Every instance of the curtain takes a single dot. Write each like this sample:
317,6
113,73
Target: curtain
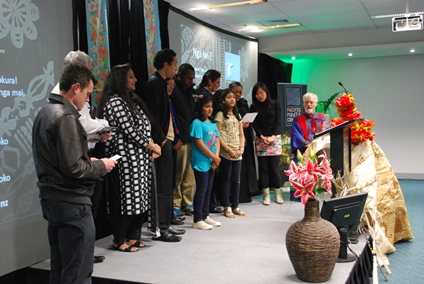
119,31
98,44
152,26
79,31
137,47
163,22
126,32
272,71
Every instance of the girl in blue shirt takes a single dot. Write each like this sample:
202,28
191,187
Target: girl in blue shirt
204,160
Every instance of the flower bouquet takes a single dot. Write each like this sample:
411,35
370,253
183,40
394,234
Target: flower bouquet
347,110
307,239
312,178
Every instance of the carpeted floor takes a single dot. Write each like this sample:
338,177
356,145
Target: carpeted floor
406,263
247,249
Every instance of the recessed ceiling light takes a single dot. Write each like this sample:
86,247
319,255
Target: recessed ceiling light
293,58
350,54
412,50
397,15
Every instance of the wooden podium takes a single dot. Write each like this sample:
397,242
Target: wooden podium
340,146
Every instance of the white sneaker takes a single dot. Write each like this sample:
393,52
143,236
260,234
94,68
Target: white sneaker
202,226
211,222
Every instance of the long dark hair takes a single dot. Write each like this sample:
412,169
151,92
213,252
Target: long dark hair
212,75
221,106
198,108
116,85
268,101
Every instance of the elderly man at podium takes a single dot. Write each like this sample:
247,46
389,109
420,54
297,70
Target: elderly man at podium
306,125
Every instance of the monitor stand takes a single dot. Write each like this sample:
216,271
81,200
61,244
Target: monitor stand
353,238
344,256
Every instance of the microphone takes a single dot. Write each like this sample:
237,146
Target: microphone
343,87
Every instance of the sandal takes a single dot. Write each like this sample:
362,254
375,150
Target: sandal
137,244
128,248
239,212
228,213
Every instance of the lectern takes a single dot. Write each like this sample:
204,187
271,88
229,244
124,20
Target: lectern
340,146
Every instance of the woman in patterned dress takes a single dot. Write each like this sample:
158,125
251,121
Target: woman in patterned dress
130,184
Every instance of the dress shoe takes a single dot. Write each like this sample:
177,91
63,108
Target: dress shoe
176,231
188,210
177,222
167,237
217,209
98,258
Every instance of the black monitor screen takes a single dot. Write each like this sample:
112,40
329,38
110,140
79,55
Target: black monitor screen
345,211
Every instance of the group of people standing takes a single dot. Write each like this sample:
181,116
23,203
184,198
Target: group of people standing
169,140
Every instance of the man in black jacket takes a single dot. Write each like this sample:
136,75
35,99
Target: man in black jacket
155,96
66,177
183,102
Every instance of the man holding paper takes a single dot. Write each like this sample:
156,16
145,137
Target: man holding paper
66,177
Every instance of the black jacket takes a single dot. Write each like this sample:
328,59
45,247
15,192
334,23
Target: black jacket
156,99
60,152
268,120
184,107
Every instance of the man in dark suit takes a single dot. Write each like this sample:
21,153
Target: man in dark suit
156,98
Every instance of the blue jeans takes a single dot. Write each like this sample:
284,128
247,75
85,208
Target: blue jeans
202,195
71,234
230,182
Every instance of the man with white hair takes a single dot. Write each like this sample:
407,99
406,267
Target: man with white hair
91,126
306,125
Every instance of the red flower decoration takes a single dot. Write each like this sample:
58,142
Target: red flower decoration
346,108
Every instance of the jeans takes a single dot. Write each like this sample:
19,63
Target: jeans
202,195
230,182
71,234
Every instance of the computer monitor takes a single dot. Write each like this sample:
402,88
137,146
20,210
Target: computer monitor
345,213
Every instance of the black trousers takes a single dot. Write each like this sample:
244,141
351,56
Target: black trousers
165,186
269,172
71,236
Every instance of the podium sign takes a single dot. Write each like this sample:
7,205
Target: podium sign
290,97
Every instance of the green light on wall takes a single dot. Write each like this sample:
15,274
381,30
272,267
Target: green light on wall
301,68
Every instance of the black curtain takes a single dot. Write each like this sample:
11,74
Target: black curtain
119,34
79,27
272,71
138,54
127,39
163,22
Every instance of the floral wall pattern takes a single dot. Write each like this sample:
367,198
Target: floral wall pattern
98,44
153,43
17,18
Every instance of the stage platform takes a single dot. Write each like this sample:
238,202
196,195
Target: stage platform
247,249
